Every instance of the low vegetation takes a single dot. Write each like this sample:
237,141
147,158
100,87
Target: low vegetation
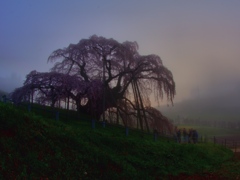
33,146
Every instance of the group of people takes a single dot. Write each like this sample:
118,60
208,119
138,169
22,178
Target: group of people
186,136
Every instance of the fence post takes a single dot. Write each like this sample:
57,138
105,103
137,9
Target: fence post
126,131
57,115
155,137
155,133
93,123
104,124
225,142
236,147
29,107
214,140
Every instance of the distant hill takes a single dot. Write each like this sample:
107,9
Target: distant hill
224,107
8,84
2,93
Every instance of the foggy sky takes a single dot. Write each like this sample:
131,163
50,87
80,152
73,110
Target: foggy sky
198,41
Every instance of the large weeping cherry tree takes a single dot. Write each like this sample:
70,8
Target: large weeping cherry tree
120,81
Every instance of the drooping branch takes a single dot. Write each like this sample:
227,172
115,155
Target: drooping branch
141,104
158,121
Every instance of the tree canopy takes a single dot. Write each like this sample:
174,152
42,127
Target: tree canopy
102,75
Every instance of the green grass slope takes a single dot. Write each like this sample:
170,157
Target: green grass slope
35,147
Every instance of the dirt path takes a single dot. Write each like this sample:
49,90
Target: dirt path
236,150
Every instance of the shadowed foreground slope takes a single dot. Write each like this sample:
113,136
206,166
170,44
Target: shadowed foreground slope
35,147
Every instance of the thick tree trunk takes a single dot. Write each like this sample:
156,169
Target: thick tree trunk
68,103
139,118
117,115
142,107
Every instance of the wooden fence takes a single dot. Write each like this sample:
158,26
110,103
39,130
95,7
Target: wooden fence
231,142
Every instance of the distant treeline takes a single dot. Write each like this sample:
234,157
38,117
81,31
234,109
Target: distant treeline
231,124
2,93
3,96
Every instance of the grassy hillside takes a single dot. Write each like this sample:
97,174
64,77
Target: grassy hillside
34,147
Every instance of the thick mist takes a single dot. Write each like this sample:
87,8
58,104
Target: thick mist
197,41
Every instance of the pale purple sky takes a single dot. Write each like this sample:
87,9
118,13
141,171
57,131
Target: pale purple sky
199,41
